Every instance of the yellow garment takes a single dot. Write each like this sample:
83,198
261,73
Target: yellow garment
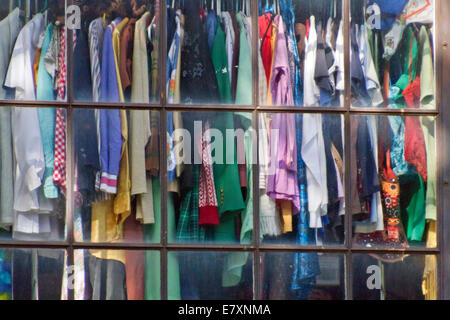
105,229
273,40
122,201
177,120
429,281
286,216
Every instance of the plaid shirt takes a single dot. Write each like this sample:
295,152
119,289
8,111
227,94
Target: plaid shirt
188,229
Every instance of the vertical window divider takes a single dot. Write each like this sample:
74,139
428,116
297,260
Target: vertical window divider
69,155
347,151
257,276
162,57
442,74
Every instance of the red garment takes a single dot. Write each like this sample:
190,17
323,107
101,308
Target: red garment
415,152
208,208
134,260
59,170
265,31
307,29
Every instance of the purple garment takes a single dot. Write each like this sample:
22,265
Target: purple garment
283,183
280,82
110,124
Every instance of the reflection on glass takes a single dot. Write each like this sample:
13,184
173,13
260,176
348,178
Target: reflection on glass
303,276
301,60
26,274
33,55
117,176
301,178
115,57
210,177
392,54
223,276
209,52
117,275
397,277
393,181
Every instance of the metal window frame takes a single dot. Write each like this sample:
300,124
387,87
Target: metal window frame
442,114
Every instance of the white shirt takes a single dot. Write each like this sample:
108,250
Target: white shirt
20,71
313,154
9,30
311,90
339,56
370,73
31,208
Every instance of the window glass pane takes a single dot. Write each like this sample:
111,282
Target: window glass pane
223,276
33,54
209,56
27,273
393,181
117,275
301,178
301,60
33,174
303,276
210,177
392,54
118,196
115,57
394,277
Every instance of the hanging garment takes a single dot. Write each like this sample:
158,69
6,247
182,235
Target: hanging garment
110,127
229,42
235,60
306,265
419,11
280,84
139,129
10,28
244,73
126,57
171,73
220,62
427,101
234,263
340,65
415,151
321,75
122,201
370,74
82,66
96,35
211,27
198,82
313,155
27,142
269,219
265,33
47,116
208,207
311,90
389,11
59,170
